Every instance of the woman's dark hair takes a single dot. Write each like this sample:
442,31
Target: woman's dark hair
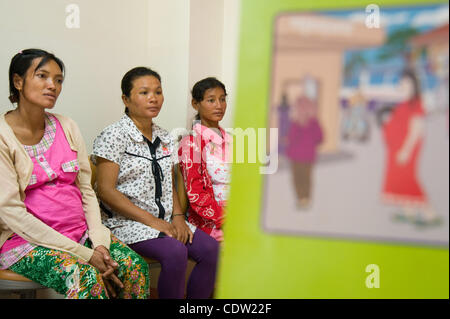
409,73
133,74
199,89
21,62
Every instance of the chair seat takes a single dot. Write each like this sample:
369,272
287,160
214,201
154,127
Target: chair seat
150,261
6,274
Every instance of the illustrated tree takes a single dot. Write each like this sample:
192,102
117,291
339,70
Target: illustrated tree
398,44
354,64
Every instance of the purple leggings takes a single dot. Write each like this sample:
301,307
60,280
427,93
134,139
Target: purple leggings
173,257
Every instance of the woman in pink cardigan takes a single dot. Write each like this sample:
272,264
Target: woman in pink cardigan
50,226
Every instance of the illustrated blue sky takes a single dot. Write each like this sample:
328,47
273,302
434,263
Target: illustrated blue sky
423,18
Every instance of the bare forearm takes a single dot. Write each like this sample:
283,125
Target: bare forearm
122,205
176,202
415,131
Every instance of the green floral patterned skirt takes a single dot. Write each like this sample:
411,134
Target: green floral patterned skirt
76,279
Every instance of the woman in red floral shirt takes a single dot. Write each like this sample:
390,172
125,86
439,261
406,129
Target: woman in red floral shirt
204,161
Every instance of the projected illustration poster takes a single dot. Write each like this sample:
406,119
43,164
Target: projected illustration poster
332,226
361,107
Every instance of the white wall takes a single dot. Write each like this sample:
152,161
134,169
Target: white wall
205,51
111,40
230,55
115,36
168,54
213,46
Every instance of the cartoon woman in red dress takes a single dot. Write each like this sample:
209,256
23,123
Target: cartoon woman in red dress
403,136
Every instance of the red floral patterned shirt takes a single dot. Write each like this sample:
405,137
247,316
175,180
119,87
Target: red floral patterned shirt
199,151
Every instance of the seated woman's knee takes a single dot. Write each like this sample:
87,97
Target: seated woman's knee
176,253
211,249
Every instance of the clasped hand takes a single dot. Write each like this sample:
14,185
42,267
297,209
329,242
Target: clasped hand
178,229
103,262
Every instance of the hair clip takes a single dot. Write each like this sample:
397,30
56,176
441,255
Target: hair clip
20,52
